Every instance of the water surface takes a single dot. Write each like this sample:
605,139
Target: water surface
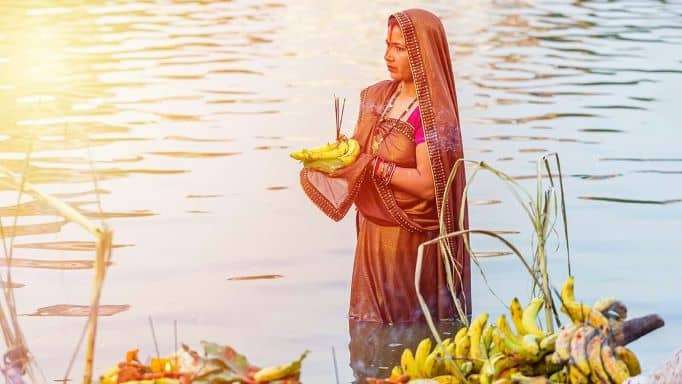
178,117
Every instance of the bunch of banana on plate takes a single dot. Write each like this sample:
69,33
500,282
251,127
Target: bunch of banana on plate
329,157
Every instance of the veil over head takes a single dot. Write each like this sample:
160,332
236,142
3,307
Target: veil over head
431,68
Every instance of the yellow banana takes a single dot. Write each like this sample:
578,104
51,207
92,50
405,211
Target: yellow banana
578,312
530,344
548,342
501,363
487,338
519,378
593,350
336,151
484,344
530,317
351,155
327,151
579,349
441,352
453,369
428,369
513,344
575,376
409,365
630,360
617,370
448,379
304,154
517,316
462,348
325,165
280,371
447,342
422,352
562,346
461,333
329,165
466,367
475,351
544,367
396,373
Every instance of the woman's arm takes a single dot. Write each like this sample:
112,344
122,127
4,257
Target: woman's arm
416,181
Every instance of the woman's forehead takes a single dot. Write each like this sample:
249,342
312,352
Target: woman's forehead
395,35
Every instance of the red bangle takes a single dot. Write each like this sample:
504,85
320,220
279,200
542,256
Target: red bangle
377,163
386,172
391,171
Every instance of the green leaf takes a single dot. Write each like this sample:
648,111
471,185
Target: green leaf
227,355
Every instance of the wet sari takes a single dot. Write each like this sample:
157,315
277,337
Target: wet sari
391,223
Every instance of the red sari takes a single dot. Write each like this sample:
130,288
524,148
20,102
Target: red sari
392,223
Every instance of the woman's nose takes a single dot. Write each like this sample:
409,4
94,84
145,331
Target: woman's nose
388,56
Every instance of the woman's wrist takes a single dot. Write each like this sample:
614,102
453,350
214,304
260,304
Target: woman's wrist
376,166
383,171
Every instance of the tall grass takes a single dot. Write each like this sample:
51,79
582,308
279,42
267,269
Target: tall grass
542,212
103,238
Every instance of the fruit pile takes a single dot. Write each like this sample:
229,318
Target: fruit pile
580,353
329,157
219,364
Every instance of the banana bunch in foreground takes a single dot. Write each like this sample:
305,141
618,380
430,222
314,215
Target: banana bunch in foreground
329,157
520,351
589,356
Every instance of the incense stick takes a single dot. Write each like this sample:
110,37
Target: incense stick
156,344
339,107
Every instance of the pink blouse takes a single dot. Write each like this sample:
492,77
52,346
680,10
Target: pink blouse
415,121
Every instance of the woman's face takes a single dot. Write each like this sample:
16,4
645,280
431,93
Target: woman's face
396,55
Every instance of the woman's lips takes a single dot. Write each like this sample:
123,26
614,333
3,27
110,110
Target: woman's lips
392,69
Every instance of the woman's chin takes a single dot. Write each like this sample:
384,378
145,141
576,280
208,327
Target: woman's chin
394,75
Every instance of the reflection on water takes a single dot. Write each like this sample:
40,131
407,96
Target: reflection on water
376,348
178,117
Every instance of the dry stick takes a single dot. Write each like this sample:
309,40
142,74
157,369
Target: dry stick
103,252
156,345
464,233
175,337
13,336
336,369
102,256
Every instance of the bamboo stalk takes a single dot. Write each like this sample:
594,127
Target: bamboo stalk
102,257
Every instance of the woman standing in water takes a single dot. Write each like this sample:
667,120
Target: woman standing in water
410,139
